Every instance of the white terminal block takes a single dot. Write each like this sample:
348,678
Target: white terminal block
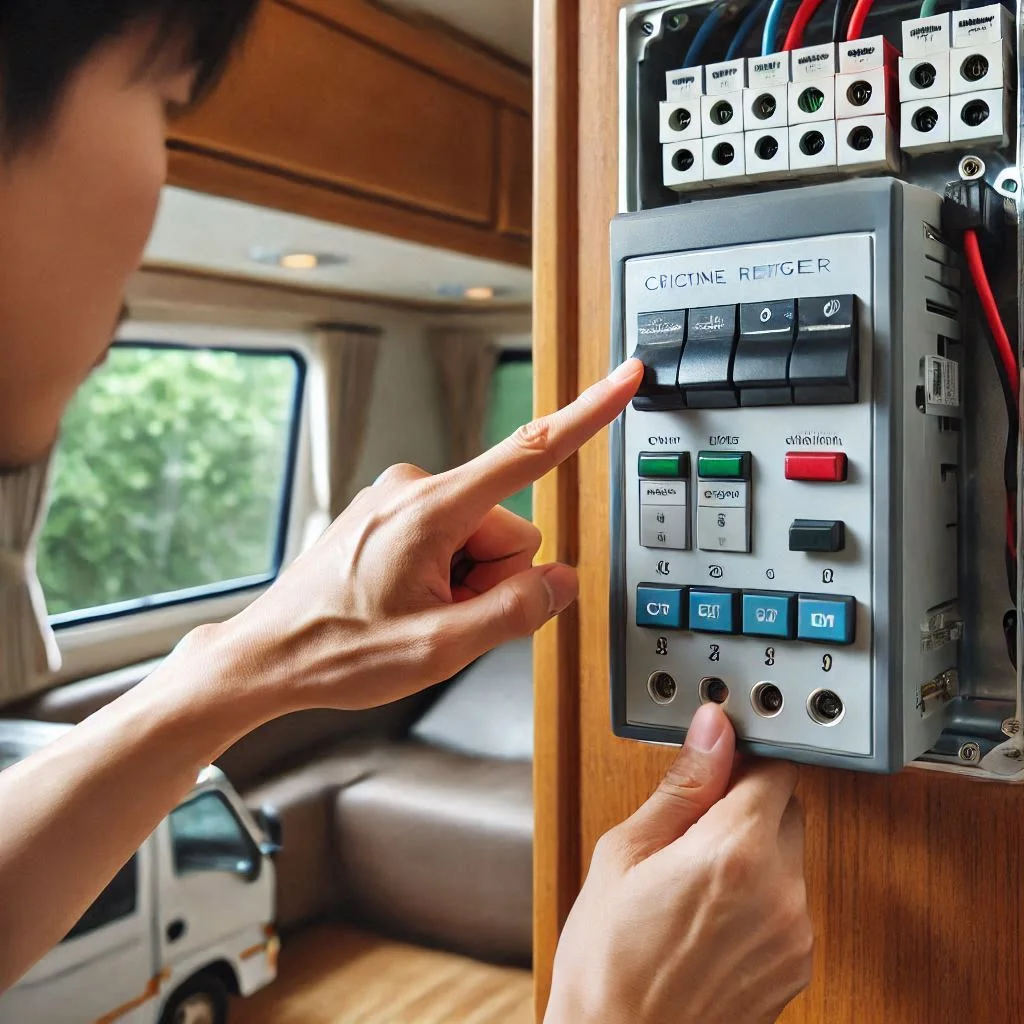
680,120
864,54
923,36
981,25
721,114
812,147
864,93
980,117
768,71
867,144
811,62
925,76
812,100
683,165
724,157
979,68
725,77
924,125
684,84
767,153
766,107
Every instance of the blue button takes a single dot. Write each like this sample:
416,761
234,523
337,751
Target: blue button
659,607
827,620
768,615
713,611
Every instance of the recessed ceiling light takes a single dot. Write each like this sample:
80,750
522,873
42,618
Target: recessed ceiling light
473,293
297,259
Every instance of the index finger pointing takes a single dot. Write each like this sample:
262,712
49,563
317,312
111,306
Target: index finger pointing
542,445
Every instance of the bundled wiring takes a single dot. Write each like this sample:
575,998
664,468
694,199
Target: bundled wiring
840,16
703,34
771,27
860,15
988,303
795,35
754,15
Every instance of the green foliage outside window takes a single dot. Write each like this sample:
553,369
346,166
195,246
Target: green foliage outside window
169,475
511,407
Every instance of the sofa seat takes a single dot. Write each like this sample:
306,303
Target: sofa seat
437,847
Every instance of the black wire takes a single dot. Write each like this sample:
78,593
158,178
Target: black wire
1012,435
840,17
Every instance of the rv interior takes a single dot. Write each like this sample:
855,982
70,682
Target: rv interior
339,281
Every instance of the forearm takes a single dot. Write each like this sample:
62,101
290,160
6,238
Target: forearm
74,813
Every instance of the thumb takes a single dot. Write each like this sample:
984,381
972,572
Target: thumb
698,779
510,610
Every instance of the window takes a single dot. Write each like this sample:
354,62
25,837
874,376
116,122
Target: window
115,903
511,406
171,479
207,836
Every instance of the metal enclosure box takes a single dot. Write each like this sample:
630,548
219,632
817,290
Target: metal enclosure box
735,596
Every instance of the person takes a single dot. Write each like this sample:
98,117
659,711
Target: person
694,909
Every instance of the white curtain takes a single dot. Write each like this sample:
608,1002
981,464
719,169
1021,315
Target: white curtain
28,649
346,364
465,362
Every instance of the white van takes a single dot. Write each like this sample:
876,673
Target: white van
185,924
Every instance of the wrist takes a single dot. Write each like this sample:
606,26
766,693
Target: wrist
208,693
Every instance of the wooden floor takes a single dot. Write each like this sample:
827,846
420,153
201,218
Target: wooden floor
330,975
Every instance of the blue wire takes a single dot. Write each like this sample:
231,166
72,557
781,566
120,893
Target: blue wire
771,27
746,27
703,33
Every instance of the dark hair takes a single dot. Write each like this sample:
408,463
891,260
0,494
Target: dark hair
44,42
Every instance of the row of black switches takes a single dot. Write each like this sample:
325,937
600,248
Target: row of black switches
786,352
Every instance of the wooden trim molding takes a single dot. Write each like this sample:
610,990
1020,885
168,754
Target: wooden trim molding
556,251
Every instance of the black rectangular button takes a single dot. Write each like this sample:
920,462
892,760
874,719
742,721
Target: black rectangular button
823,367
761,368
705,370
817,535
660,338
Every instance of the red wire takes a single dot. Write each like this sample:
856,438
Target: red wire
857,19
795,35
991,310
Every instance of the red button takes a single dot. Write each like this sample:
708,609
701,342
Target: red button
827,467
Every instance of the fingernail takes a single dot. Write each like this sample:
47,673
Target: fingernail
627,371
563,587
707,728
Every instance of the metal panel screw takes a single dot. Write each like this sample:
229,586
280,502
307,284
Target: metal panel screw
969,752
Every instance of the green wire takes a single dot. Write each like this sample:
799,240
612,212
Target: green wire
928,8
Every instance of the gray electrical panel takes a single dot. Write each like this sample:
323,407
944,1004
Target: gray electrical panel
785,485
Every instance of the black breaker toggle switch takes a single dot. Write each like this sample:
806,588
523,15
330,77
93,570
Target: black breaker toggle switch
660,344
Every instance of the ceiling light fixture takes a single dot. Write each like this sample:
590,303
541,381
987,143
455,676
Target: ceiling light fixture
297,259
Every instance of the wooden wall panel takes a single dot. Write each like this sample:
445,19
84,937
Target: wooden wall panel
915,881
358,116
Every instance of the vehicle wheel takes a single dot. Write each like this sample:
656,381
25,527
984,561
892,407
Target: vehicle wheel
201,1000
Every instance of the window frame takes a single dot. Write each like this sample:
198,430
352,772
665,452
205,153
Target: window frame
250,844
223,588
107,643
76,932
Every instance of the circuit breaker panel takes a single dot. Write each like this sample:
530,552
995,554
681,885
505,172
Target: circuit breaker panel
816,495
786,476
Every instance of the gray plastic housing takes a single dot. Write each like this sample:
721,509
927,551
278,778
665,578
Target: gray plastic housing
880,240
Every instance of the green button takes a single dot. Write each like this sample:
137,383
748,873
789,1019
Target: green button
723,465
670,467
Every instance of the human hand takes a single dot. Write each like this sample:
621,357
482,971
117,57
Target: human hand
695,909
421,574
